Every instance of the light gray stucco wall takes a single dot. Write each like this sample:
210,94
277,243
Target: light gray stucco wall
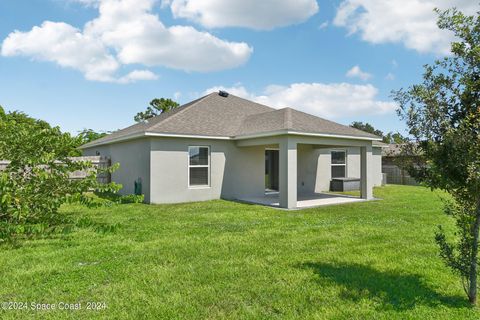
310,167
314,167
234,172
134,159
353,164
377,166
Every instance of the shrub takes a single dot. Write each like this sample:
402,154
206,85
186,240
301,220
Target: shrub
37,181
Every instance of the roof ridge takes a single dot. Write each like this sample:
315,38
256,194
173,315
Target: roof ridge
287,120
230,116
333,122
260,113
254,102
185,107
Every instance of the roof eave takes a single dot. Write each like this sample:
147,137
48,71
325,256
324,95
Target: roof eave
241,137
380,144
151,134
114,140
180,135
309,134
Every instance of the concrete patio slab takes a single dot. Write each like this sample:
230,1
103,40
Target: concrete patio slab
272,199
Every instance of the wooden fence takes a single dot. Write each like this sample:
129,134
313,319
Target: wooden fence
396,175
97,161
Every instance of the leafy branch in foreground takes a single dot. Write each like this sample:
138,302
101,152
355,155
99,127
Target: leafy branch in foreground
36,182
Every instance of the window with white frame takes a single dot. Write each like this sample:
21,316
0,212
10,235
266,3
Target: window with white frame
198,166
339,164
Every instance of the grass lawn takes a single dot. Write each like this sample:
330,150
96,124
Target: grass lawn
223,259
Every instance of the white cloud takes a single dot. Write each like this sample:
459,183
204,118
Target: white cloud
356,72
410,22
67,46
136,75
323,25
237,90
125,32
255,14
332,100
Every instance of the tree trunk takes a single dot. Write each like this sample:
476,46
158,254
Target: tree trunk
472,291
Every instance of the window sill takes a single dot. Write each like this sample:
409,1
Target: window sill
199,187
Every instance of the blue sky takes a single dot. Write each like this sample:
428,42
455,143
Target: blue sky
98,62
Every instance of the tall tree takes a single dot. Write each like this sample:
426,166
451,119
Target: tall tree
391,137
443,117
89,135
394,137
367,127
156,107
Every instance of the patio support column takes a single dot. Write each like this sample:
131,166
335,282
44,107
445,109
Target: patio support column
366,182
288,173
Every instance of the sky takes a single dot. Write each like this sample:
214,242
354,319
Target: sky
96,63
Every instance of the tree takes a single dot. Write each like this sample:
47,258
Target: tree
37,181
157,106
388,138
367,127
394,137
443,117
89,135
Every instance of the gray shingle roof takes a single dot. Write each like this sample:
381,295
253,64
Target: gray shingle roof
294,120
213,115
232,116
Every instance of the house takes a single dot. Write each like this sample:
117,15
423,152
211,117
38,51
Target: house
392,158
223,146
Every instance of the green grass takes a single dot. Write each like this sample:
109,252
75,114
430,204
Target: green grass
223,259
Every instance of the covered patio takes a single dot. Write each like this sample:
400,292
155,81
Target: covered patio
300,169
272,199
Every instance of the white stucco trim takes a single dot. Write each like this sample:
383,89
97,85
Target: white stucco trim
153,134
192,136
120,139
251,136
324,135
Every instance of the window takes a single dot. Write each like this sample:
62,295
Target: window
198,166
339,164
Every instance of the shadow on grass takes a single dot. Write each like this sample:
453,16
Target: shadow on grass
390,289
